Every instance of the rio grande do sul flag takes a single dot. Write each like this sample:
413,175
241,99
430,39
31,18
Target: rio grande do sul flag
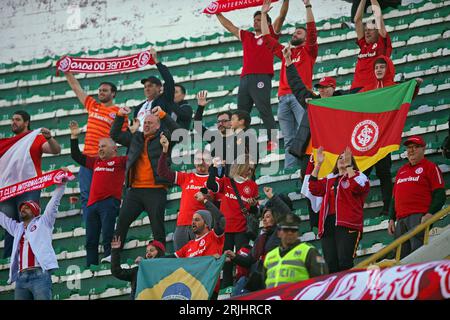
230,5
371,123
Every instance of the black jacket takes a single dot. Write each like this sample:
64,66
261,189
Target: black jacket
165,101
123,274
271,240
301,93
135,143
183,112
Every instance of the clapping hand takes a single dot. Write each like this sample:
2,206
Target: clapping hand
164,142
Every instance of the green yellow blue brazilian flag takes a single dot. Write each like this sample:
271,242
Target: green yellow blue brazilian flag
178,279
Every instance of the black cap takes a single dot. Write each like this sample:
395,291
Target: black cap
291,221
153,80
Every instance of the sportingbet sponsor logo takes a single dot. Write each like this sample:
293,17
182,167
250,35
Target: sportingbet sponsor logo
367,55
408,179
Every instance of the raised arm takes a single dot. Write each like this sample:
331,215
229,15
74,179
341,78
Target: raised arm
295,82
379,18
359,20
76,87
169,83
75,151
8,224
227,24
116,133
264,20
218,217
278,23
51,146
163,169
51,210
116,270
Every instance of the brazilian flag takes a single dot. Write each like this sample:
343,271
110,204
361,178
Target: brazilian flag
178,279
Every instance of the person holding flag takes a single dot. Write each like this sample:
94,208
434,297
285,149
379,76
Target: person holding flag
344,191
384,71
20,159
33,257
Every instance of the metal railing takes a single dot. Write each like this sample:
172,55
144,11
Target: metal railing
397,244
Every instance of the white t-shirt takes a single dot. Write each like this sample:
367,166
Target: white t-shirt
145,110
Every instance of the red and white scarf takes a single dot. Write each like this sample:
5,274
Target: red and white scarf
107,65
230,5
37,183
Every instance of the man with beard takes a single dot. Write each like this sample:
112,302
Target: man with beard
257,70
44,143
100,118
190,183
304,50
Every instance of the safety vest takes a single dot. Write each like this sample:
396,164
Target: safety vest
288,269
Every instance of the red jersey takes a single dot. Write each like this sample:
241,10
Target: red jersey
36,152
303,57
207,245
107,179
190,183
257,58
413,187
229,205
364,75
27,258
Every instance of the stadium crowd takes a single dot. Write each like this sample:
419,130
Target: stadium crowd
220,204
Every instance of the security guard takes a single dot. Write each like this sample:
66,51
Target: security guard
292,261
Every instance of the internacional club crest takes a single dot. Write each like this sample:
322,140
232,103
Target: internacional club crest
64,64
212,8
365,135
144,58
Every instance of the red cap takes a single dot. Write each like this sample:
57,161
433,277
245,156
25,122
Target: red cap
326,82
415,139
33,205
158,245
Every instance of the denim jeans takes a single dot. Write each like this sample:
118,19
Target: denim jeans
239,287
85,179
10,208
100,219
35,284
290,114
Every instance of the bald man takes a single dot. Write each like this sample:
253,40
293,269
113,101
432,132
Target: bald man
105,193
146,190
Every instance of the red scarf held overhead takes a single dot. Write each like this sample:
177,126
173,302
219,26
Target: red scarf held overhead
107,65
230,5
37,183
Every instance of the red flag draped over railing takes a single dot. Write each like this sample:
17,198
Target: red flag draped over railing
230,5
422,281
